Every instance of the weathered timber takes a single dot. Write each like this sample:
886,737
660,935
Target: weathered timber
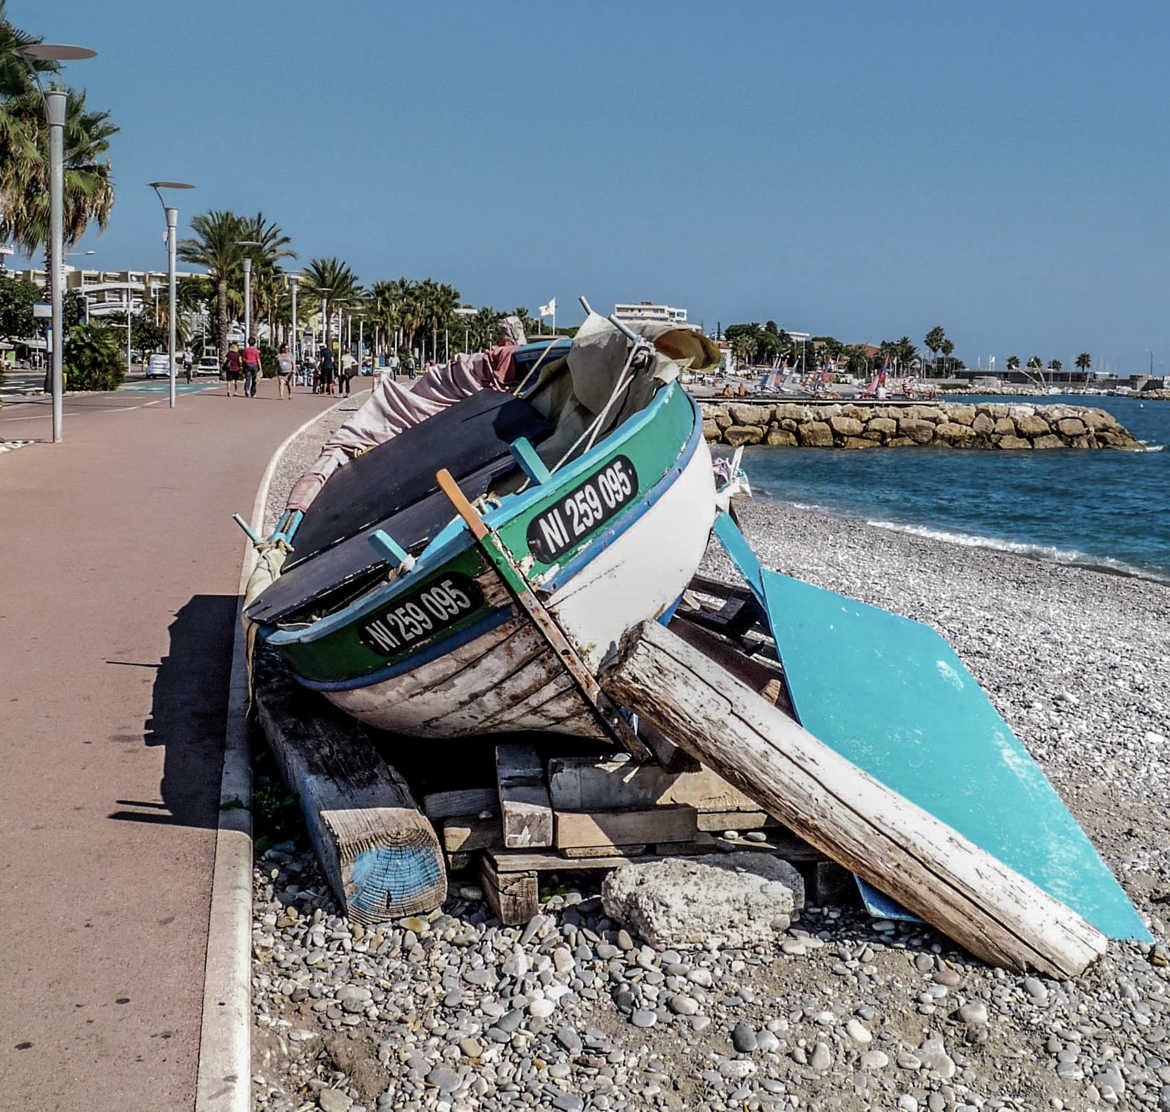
464,833
605,783
624,828
606,851
983,905
380,853
524,803
717,821
514,897
466,801
457,862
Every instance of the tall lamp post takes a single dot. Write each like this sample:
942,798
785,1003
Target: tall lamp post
172,215
55,115
326,309
293,282
247,286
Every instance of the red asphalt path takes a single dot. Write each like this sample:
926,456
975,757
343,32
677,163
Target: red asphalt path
119,566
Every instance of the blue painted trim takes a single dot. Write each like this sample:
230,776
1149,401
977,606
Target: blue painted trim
631,516
415,660
668,614
386,546
530,463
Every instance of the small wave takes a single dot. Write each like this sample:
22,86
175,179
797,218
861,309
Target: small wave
1072,557
1152,447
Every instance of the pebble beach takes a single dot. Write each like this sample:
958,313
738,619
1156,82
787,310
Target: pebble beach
453,1011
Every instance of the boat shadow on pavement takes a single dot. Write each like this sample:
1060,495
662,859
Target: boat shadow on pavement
188,716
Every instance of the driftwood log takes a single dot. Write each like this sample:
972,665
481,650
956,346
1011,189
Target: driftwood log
380,853
985,906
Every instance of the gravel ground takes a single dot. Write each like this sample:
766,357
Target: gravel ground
453,1011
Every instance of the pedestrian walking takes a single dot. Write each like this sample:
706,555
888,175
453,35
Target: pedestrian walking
348,365
188,364
284,372
251,367
233,366
325,371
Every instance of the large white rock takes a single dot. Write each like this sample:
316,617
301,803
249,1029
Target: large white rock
737,899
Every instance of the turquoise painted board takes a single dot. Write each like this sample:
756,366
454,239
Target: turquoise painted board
891,696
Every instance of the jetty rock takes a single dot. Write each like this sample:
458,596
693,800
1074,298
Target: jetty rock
735,899
823,424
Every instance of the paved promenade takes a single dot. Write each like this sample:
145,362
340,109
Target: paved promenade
120,566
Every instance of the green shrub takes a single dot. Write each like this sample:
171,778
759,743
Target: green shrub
93,358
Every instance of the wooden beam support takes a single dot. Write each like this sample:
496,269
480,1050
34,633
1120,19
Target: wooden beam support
577,829
524,804
514,897
986,907
467,801
380,853
608,783
465,833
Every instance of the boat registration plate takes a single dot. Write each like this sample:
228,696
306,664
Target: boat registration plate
420,613
554,531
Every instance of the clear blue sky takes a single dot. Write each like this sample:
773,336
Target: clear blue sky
853,168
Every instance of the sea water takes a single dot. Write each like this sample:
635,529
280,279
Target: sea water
1102,508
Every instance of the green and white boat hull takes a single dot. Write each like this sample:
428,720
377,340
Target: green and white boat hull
607,541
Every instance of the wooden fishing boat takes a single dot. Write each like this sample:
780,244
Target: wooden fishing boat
594,500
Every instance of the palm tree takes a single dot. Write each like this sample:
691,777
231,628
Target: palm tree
1035,362
947,348
1013,361
1084,362
24,172
215,247
267,277
335,283
934,340
1056,364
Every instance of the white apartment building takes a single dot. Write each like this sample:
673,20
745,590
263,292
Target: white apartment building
110,291
648,310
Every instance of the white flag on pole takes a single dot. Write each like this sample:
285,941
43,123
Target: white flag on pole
549,310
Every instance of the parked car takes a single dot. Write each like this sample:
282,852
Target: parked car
159,366
208,364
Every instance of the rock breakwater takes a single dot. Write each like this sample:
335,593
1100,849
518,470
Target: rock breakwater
942,424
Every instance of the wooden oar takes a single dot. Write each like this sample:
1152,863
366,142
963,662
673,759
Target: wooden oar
516,582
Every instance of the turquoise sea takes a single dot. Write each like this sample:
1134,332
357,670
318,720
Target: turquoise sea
1099,508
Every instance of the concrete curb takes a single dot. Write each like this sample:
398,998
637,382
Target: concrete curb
224,1082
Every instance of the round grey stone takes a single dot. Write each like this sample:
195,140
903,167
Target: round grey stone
743,1038
643,1017
444,1079
973,1013
683,1005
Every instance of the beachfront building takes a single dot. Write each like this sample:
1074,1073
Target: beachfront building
649,310
107,292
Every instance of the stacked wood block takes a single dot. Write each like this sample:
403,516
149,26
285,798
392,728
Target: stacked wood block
597,812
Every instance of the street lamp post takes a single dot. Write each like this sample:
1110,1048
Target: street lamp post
247,286
55,115
172,215
293,280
